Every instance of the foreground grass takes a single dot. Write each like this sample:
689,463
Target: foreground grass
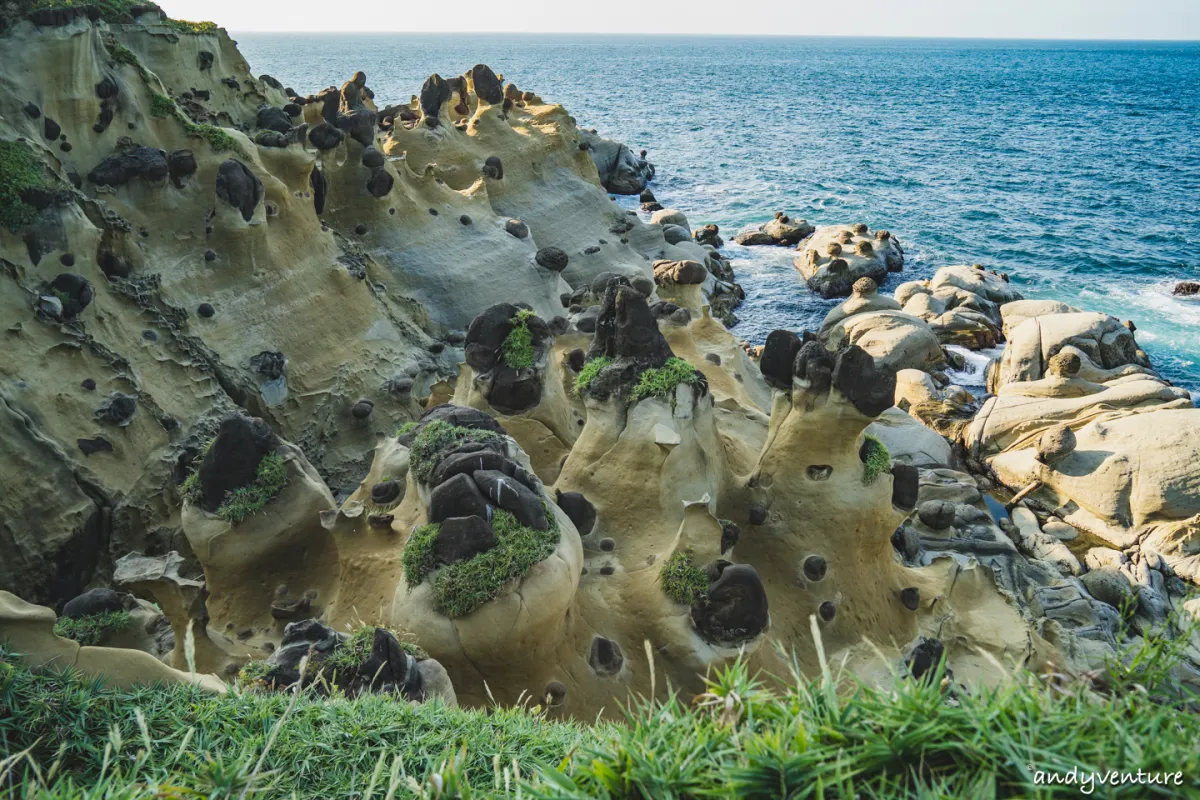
62,736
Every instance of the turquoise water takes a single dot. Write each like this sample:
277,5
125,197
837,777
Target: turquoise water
1074,167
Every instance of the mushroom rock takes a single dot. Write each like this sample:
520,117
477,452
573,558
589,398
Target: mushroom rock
486,84
146,163
434,93
325,136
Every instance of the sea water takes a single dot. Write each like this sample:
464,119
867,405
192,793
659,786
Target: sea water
1072,166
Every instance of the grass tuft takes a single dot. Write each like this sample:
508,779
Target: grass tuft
350,654
438,438
184,27
875,457
517,348
270,479
19,170
589,372
661,381
459,589
404,429
682,580
89,631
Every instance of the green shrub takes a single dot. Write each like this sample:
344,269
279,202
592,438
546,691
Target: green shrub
184,27
661,381
252,673
875,457
161,106
405,428
589,372
460,588
19,170
517,348
91,630
270,479
438,438
110,10
682,580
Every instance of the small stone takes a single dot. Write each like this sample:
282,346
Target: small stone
937,514
89,384
360,229
552,258
911,598
67,260
464,219
517,228
713,358
607,569
362,409
815,568
206,310
210,255
827,611
607,545
758,514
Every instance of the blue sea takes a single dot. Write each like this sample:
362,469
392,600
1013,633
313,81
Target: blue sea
1072,166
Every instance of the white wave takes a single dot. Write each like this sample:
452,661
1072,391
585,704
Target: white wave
974,372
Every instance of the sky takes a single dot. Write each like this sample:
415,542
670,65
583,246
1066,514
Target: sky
1022,19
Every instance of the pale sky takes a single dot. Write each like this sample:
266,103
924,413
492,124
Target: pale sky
1026,19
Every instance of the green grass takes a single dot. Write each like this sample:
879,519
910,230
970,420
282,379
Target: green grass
19,170
161,106
459,589
517,348
91,630
877,459
269,480
184,27
589,372
218,138
438,438
405,428
661,381
746,736
350,655
682,580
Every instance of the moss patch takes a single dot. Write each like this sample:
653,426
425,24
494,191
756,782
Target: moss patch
182,26
89,631
218,138
404,429
517,349
438,438
875,457
682,580
589,372
161,106
252,673
19,170
461,588
661,381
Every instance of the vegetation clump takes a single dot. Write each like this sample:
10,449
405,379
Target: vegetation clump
682,580
269,480
161,106
406,428
89,631
182,26
438,438
589,372
661,381
462,587
875,457
517,348
19,170
347,657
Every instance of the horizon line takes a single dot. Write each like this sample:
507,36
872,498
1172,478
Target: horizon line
1095,39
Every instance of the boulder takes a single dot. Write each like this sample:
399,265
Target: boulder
239,187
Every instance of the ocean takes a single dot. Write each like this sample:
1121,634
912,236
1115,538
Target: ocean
1072,166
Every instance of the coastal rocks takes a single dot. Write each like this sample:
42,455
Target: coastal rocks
146,163
836,256
962,305
899,340
1186,289
780,231
1107,349
621,170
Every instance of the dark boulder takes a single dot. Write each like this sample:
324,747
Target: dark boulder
389,669
372,158
487,85
92,602
905,483
146,163
814,364
513,496
75,292
461,539
51,129
578,509
871,388
117,409
320,188
460,416
734,609
778,356
325,136
757,514
385,492
293,110
626,328
517,228
107,88
493,168
434,93
272,139
457,497
181,164
1186,289
552,258
239,187
273,118
359,125
466,463
925,658
114,266
380,183
96,445
730,535
307,638
204,60
270,364
486,335
515,390
232,460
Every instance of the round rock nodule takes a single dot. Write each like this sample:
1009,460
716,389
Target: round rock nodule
552,258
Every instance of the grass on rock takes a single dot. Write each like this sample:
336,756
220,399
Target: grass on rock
270,479
661,381
19,170
349,656
682,580
875,457
438,438
589,372
747,736
161,106
460,588
517,348
89,631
